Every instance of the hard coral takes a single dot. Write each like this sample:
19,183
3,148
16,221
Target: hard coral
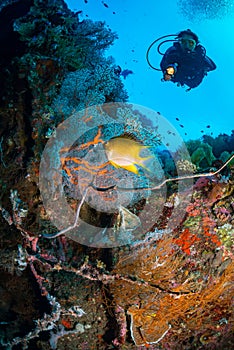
173,286
186,240
168,297
185,166
201,183
86,87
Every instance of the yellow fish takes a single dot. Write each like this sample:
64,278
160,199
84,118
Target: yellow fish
123,152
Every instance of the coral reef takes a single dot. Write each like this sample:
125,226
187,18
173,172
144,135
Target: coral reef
171,286
43,42
174,286
186,166
178,273
86,87
201,154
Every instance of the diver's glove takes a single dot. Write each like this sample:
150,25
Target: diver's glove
170,71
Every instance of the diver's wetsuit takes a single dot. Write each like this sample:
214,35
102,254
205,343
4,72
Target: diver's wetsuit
192,65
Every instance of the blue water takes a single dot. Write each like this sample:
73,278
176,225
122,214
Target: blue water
138,24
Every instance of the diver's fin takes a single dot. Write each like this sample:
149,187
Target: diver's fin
132,168
129,136
126,136
145,159
114,164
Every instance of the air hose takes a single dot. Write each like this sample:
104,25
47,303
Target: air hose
158,48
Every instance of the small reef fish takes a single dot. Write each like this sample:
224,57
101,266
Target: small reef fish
105,4
123,152
126,72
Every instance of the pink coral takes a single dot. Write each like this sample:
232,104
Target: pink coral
201,183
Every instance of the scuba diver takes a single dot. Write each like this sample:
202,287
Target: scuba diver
185,62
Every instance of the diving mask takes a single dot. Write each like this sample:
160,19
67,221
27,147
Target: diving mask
188,44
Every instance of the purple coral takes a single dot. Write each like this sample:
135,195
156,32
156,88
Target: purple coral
201,183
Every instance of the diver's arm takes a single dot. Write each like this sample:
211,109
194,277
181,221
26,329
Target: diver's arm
170,57
206,62
209,64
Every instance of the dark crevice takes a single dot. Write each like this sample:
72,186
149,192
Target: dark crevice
29,144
